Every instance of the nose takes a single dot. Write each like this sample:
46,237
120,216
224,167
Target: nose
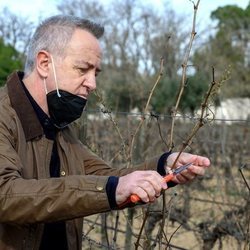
90,82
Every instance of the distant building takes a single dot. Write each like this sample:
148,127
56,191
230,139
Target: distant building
233,109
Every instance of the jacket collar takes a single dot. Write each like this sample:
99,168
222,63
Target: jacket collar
20,102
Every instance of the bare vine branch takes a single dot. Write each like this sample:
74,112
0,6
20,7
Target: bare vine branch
204,116
184,76
131,146
137,243
242,174
106,111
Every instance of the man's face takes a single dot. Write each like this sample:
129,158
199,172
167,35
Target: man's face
76,72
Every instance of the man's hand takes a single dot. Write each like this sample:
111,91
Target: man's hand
198,167
146,184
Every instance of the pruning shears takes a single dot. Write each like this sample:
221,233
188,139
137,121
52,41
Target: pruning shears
134,198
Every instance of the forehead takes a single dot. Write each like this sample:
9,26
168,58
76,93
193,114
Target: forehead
84,46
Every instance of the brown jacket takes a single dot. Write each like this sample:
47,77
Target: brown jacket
28,197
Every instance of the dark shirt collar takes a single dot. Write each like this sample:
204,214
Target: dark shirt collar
48,127
33,119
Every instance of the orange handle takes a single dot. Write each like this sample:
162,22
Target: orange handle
135,198
168,177
132,199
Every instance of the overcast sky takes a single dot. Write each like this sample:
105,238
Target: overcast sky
34,9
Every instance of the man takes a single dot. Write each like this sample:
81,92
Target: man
48,179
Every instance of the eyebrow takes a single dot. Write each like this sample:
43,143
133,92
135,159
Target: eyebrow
98,69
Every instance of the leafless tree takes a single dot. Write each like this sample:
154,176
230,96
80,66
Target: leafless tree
137,36
15,30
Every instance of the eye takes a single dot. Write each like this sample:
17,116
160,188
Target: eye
79,70
82,70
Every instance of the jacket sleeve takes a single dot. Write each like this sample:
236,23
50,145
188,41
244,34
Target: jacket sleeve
94,165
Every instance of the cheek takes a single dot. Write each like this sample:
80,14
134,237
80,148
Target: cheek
73,85
69,80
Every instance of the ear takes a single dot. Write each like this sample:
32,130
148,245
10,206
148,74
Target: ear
42,63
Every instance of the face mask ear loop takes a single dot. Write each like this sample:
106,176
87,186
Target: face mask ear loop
54,71
45,87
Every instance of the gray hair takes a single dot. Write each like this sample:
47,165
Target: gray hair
54,34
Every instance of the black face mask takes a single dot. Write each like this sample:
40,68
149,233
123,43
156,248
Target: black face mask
64,109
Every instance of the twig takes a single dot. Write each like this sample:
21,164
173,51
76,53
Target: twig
171,202
106,111
172,235
96,243
131,146
242,174
137,243
164,209
92,226
184,76
159,127
116,227
105,229
164,212
212,91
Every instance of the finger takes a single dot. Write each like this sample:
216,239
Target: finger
201,161
206,162
156,180
158,184
198,160
152,185
197,170
150,190
146,193
180,179
183,159
142,194
191,173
